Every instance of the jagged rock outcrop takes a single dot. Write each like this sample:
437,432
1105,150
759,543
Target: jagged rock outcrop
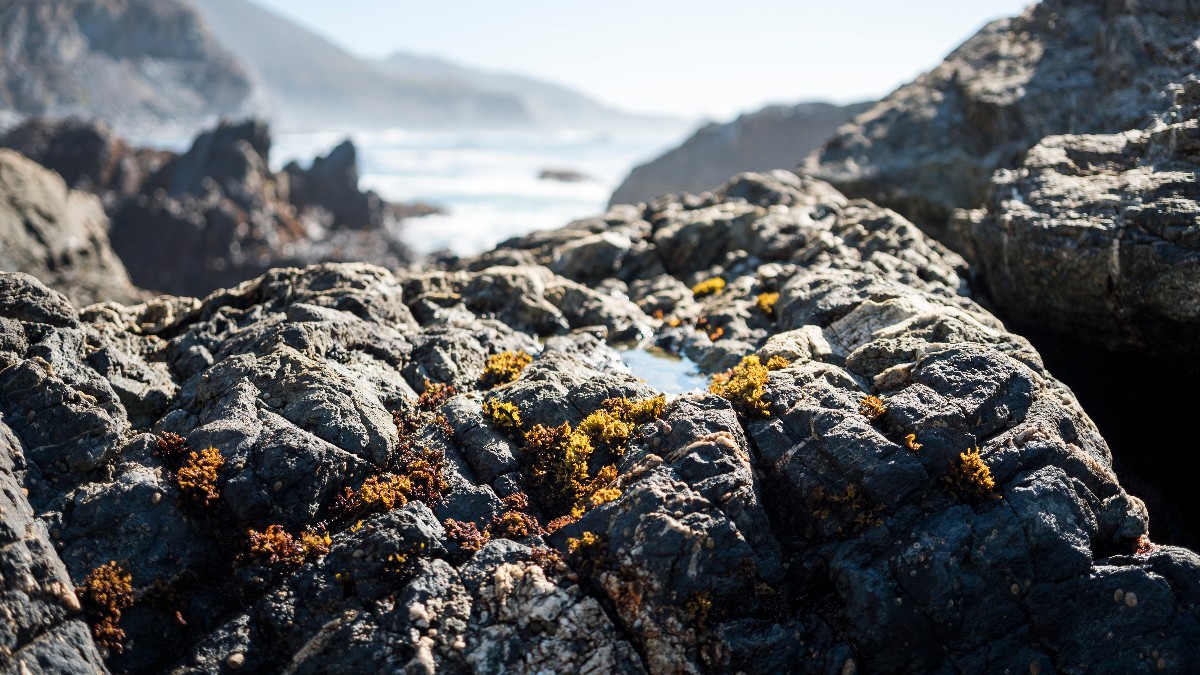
1062,67
136,64
783,525
57,234
88,155
1093,236
775,137
217,215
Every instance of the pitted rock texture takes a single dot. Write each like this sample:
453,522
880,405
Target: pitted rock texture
803,538
57,234
1094,236
1062,67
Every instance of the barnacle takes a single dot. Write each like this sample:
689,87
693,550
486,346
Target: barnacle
765,303
504,416
104,593
872,407
711,286
970,475
504,368
744,386
910,442
197,478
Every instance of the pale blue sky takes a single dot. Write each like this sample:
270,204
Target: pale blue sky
684,57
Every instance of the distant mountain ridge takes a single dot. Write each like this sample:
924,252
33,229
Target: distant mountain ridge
310,82
547,103
132,63
776,137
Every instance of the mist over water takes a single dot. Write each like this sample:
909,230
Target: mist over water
488,182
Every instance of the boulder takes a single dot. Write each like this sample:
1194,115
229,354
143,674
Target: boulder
57,234
221,203
1092,237
1062,67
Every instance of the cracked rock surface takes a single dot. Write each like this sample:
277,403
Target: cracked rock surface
1093,236
774,528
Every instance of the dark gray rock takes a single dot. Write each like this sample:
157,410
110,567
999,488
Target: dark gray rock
88,155
1091,237
1064,66
790,532
222,204
57,234
42,630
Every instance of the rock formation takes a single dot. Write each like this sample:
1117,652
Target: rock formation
772,138
215,215
57,234
89,156
893,482
1063,67
1093,236
133,63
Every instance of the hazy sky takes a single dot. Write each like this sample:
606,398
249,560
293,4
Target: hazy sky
683,57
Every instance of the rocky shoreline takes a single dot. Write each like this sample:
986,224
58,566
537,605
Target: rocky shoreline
895,482
947,437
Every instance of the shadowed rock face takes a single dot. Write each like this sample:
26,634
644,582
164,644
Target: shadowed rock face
57,234
809,538
132,63
1094,236
215,215
1065,66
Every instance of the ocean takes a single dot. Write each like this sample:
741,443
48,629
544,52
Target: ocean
488,182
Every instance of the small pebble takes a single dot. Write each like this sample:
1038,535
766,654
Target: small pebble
1016,590
358,553
236,660
1131,600
278,485
1118,595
